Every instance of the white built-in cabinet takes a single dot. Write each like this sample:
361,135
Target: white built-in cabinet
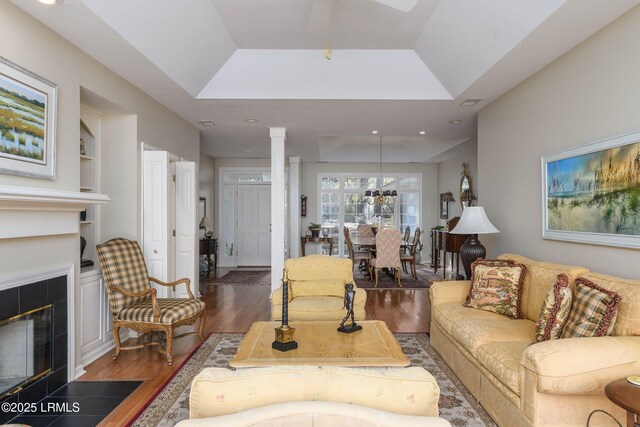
95,315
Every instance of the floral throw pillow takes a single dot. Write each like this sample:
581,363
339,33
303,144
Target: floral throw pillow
594,311
555,310
496,285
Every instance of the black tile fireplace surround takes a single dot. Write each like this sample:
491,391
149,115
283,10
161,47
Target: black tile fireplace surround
28,297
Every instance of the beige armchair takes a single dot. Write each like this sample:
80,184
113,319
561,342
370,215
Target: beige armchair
133,301
316,289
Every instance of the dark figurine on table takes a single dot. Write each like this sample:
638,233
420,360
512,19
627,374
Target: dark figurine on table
349,296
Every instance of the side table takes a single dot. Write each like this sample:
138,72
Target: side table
627,396
208,247
305,240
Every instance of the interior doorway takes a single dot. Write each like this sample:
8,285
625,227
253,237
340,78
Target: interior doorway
254,225
169,223
245,217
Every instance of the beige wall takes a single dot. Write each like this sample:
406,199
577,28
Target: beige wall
449,175
207,178
588,94
28,43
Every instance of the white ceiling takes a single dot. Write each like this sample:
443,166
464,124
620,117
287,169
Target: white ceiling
399,73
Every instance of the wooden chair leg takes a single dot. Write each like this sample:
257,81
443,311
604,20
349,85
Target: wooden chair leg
169,333
398,277
203,317
116,337
377,272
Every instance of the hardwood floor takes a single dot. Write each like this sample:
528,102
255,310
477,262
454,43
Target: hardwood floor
233,308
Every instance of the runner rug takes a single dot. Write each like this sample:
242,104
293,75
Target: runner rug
172,404
426,276
251,278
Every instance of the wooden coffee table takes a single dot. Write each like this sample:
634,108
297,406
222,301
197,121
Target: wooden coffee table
627,396
320,344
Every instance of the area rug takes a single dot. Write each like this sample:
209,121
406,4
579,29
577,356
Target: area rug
251,278
172,403
426,276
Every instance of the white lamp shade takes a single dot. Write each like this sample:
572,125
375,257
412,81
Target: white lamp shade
206,223
474,221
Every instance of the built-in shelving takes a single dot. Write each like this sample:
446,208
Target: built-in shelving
89,180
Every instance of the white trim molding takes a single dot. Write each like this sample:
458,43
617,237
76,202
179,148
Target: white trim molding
29,212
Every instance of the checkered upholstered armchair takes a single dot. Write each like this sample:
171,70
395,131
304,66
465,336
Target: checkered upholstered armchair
133,301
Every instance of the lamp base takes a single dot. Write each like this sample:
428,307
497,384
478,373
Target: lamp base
470,251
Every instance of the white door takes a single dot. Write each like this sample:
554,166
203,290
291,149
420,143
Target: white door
254,225
155,216
186,223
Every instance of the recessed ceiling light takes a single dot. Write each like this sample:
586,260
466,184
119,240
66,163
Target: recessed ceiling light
374,132
250,120
51,1
206,123
422,132
470,102
455,122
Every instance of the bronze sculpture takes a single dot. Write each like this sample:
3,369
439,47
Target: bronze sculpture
349,296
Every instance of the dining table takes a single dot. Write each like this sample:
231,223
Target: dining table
370,242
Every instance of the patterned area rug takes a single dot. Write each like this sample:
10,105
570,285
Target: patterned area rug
386,280
172,403
251,278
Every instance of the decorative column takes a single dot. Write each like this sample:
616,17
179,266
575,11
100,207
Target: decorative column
278,204
294,207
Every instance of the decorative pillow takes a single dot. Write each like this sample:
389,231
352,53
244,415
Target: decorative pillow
497,286
594,311
555,310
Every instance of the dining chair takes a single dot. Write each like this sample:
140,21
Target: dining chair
133,301
365,231
411,257
387,254
359,258
405,239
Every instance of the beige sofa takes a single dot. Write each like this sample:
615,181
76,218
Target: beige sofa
314,396
552,383
316,289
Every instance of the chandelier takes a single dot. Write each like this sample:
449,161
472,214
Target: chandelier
381,196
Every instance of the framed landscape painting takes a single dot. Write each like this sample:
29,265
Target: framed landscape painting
27,122
591,193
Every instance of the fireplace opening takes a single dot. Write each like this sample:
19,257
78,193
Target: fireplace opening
25,349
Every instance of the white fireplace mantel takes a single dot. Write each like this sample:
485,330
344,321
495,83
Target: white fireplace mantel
30,211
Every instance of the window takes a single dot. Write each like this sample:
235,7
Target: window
342,204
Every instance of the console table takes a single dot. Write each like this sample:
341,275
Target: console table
209,247
305,240
442,240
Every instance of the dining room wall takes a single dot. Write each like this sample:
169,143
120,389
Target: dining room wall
449,171
429,213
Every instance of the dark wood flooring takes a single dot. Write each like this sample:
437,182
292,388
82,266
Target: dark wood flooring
233,308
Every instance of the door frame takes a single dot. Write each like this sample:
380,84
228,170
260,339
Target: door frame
220,223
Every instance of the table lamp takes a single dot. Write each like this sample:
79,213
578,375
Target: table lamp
205,223
473,221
